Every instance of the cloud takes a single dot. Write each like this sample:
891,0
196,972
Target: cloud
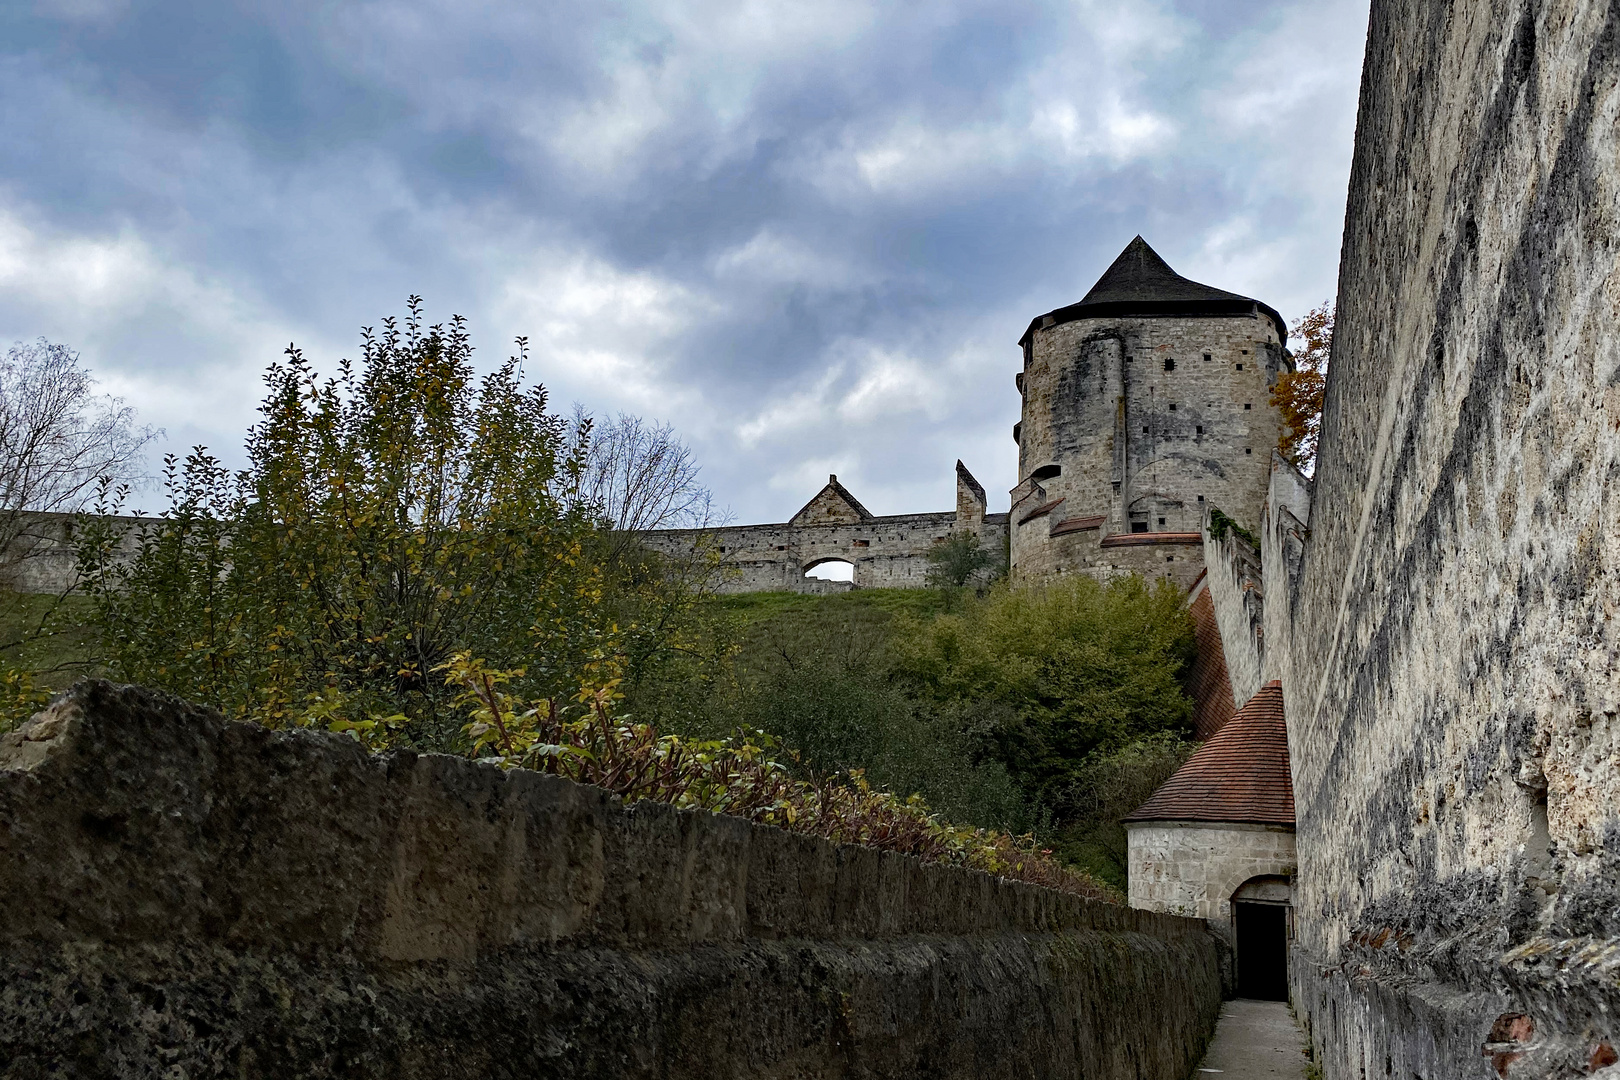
806,233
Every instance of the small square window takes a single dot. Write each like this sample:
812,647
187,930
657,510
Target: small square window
1200,429
1169,364
1240,367
1169,558
1172,408
1200,498
1128,359
1207,358
1245,352
1248,405
1246,450
1144,431
1161,521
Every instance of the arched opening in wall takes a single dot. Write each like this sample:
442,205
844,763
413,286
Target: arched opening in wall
1262,923
831,570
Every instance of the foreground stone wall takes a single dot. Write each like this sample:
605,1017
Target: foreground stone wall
190,897
1454,674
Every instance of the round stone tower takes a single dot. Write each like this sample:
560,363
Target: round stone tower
1145,404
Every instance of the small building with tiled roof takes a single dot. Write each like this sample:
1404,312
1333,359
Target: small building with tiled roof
1216,841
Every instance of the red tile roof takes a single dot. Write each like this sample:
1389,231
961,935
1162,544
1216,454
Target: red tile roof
1133,539
1044,508
1078,524
1239,775
1207,680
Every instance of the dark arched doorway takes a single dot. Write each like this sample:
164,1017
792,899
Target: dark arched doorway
1260,922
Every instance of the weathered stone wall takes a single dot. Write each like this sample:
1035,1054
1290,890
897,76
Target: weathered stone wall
1239,604
1191,868
190,897
888,552
1147,420
1454,673
40,557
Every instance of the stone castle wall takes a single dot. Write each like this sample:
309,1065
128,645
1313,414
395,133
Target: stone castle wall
1453,668
888,552
190,897
1238,600
1140,422
1192,868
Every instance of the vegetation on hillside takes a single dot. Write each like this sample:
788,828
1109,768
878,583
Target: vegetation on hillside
417,557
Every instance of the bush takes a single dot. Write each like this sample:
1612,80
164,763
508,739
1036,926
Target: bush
389,517
1059,671
747,775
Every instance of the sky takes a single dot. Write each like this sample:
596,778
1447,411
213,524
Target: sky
807,234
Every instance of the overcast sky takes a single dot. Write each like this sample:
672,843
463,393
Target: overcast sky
807,234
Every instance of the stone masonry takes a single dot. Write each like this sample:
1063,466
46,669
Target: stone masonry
188,897
887,551
1449,618
1143,405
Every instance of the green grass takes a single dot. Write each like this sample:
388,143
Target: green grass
921,603
60,654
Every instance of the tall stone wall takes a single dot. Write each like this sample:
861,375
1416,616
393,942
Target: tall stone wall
1238,601
1453,678
189,897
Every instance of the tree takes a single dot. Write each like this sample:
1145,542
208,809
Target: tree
390,517
59,439
1298,394
1060,671
640,476
958,560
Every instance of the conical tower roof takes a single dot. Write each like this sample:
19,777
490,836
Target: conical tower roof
1141,283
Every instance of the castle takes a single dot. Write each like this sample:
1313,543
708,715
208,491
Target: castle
1145,405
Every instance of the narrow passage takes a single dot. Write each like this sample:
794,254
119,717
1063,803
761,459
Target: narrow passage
1254,1040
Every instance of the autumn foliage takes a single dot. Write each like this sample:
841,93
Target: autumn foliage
748,775
1298,395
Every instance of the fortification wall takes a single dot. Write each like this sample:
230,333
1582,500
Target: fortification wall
190,897
1452,680
887,552
1238,600
40,557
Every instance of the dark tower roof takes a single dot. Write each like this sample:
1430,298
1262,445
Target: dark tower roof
1141,283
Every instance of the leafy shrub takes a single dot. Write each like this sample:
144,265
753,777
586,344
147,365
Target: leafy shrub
1106,786
588,741
389,516
1059,671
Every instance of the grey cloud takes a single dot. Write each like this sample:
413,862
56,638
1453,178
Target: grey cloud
808,234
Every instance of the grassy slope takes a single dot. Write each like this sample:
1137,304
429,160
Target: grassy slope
64,653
